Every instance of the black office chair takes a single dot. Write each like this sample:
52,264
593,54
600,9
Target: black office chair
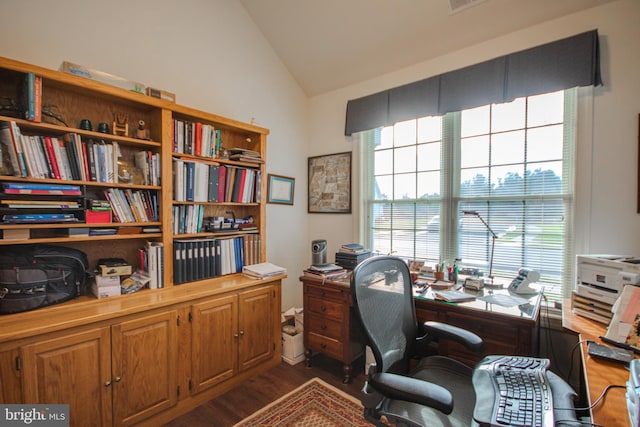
438,391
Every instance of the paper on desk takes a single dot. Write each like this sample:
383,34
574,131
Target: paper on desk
504,300
625,324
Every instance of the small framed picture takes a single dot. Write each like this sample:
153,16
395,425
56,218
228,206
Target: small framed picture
280,189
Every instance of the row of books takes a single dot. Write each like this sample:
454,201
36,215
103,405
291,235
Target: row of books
151,260
195,138
204,182
70,157
40,218
187,219
198,259
133,205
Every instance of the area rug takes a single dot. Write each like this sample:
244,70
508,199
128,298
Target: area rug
313,404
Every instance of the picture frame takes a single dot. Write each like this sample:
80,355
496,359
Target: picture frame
329,180
280,189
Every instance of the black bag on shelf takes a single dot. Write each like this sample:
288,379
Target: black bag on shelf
34,276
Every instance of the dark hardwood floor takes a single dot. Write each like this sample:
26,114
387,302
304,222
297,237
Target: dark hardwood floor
253,394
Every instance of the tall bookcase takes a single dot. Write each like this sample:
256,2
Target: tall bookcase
69,100
141,358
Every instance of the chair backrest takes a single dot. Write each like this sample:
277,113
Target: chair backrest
382,293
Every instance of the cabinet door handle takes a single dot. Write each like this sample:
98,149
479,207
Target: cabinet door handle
118,379
241,333
107,383
236,335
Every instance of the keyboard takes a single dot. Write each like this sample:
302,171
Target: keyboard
512,391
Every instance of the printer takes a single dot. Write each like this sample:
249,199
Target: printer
599,282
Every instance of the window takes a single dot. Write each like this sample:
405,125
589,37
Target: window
511,163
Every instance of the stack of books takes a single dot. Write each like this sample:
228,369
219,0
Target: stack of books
243,155
263,270
326,271
351,254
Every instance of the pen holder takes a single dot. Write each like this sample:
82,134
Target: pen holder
439,275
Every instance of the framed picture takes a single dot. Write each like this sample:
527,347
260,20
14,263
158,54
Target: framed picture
280,189
330,183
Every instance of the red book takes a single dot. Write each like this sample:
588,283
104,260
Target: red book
222,179
85,161
48,144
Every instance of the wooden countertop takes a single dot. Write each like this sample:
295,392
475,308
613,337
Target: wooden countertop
612,410
87,309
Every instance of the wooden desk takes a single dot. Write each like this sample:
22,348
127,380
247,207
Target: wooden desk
504,329
331,328
598,374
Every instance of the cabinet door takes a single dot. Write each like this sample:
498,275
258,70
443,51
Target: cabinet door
144,367
256,317
74,369
214,341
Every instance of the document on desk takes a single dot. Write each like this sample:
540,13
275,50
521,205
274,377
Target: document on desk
504,300
624,327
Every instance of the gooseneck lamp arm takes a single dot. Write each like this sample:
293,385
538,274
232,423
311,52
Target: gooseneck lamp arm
494,236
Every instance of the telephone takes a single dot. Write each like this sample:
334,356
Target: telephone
520,285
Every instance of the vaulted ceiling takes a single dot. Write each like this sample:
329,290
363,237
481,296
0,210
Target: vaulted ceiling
329,44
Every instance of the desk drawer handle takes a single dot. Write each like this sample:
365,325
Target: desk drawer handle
323,327
323,346
323,308
323,293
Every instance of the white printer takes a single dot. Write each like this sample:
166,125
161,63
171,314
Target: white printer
599,281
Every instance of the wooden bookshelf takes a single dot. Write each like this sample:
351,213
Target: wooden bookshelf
191,341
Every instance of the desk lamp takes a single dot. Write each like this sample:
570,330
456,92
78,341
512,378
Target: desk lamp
494,236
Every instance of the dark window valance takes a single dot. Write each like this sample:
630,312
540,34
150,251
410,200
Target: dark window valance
563,64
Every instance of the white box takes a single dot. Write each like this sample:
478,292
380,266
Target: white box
106,286
292,348
105,291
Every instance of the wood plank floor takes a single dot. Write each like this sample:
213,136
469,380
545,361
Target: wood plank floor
252,395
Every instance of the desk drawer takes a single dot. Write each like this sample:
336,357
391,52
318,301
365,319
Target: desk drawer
325,292
323,326
487,329
326,345
325,308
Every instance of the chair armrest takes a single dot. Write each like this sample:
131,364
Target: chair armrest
412,390
437,330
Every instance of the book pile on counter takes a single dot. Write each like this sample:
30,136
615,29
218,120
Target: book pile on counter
264,270
326,271
351,254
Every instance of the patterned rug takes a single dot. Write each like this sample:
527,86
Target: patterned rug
313,404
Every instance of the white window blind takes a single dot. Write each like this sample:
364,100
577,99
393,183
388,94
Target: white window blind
512,163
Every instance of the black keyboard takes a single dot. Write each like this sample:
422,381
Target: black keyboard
513,391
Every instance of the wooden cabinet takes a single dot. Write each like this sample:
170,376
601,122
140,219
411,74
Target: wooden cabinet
124,373
74,369
330,325
144,365
232,334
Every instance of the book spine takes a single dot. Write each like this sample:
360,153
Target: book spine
37,99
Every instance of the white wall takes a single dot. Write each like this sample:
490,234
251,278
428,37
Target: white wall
209,53
607,221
